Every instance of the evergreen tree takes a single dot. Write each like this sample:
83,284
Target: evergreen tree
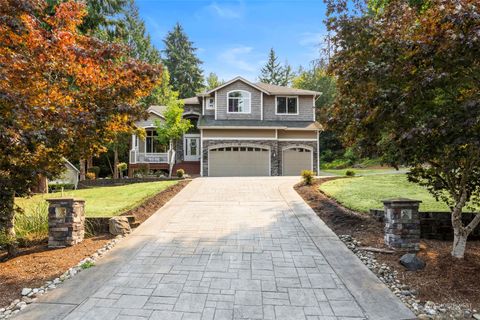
132,32
182,63
272,72
212,81
287,75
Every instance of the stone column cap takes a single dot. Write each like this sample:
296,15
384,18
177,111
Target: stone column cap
400,200
64,199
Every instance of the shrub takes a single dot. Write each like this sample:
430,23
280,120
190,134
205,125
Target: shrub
180,173
55,187
308,176
90,176
122,166
95,170
32,226
350,173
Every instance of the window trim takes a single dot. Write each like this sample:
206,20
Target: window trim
207,104
286,113
249,102
152,136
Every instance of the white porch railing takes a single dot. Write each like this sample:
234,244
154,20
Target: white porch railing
142,157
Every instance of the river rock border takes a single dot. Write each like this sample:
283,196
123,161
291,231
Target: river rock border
389,276
29,295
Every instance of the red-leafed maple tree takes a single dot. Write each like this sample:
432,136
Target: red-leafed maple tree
61,93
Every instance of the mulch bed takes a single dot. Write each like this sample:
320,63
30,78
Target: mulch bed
37,264
444,280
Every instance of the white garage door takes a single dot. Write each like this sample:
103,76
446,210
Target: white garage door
295,160
238,162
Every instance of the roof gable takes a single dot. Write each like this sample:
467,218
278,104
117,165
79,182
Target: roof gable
251,84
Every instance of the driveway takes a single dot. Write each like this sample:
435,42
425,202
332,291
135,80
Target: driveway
226,248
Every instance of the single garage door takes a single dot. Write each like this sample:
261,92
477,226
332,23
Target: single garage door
295,160
238,162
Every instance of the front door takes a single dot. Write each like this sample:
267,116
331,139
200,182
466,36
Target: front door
191,150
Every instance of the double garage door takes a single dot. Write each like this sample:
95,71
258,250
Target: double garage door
255,161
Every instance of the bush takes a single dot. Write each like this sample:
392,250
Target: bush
95,170
122,166
90,176
55,187
32,226
308,176
337,164
180,173
349,173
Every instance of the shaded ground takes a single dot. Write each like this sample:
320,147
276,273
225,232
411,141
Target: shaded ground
444,280
37,264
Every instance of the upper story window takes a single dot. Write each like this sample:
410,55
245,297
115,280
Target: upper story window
286,105
239,101
210,103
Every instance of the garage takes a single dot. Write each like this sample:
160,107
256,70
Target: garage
295,160
238,162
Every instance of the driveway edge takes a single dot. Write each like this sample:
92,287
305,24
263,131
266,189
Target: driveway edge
373,296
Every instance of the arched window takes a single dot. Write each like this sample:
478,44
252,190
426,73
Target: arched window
238,101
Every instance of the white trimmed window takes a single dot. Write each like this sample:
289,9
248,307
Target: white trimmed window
210,103
152,145
286,105
238,101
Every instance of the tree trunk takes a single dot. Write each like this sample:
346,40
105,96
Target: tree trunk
115,162
82,169
89,163
7,215
459,244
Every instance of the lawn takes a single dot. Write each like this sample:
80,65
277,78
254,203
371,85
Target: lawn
102,201
360,172
364,193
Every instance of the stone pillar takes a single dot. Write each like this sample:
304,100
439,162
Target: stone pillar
66,222
402,224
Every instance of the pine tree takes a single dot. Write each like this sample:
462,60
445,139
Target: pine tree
272,72
182,63
134,34
212,81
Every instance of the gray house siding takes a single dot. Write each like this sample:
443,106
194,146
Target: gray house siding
255,112
305,109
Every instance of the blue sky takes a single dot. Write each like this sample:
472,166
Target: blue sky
234,37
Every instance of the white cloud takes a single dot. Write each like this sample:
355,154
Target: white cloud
308,39
239,60
227,11
236,57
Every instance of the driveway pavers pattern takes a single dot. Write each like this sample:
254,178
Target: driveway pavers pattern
225,248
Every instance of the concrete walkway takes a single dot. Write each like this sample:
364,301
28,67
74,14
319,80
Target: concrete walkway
226,248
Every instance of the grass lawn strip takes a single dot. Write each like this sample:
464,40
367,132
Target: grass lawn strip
367,192
103,201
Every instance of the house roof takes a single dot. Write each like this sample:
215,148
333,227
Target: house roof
276,90
158,110
192,100
69,164
266,88
209,122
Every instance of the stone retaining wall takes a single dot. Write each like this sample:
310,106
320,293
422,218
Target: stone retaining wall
435,224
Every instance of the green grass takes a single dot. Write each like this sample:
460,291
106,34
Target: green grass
341,172
102,201
364,193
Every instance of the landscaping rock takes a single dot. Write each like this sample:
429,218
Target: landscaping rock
119,226
26,291
476,316
412,262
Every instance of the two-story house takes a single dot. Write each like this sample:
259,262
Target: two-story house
240,129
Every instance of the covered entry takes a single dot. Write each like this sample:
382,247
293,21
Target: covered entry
238,162
295,160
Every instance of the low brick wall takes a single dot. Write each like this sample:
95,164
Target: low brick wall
117,182
435,225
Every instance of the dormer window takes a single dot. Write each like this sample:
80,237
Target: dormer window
239,101
210,103
286,105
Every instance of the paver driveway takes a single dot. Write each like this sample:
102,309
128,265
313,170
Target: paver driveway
226,248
